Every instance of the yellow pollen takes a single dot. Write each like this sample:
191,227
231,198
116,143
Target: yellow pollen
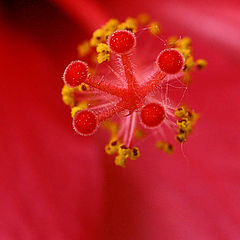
181,112
154,28
189,63
143,19
67,95
103,52
134,153
201,64
139,133
185,123
112,127
166,147
120,161
172,41
83,87
84,49
111,25
82,105
130,24
112,147
98,37
181,137
123,150
187,78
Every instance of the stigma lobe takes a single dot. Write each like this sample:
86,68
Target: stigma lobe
85,122
152,115
75,73
122,41
170,61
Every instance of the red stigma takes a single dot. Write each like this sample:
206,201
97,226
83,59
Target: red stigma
170,61
75,73
85,122
152,115
122,41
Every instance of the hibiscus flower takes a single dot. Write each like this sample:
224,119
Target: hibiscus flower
58,185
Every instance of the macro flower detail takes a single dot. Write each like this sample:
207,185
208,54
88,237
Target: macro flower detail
115,85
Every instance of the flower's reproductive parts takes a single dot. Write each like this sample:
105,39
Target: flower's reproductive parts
121,88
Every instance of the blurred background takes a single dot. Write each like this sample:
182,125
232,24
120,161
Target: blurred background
57,185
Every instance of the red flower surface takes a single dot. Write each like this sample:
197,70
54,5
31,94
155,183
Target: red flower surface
55,184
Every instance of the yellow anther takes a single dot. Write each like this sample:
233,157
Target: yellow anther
181,137
189,63
75,110
103,52
185,125
184,46
109,28
186,52
187,78
111,25
83,87
166,147
130,24
120,161
193,117
82,105
172,41
201,64
123,150
102,47
181,112
112,127
143,19
139,133
134,153
67,95
112,147
84,49
98,37
154,28
184,42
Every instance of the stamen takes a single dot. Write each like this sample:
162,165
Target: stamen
201,64
134,153
154,28
130,129
166,147
103,53
82,105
